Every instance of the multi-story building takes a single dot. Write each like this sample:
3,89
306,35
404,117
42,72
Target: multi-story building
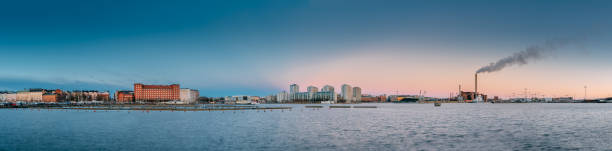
189,96
270,99
8,97
156,93
103,96
294,88
312,95
347,93
88,95
312,89
328,88
356,95
31,95
282,97
50,98
370,98
124,96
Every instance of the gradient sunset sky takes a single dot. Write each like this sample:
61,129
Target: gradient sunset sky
256,47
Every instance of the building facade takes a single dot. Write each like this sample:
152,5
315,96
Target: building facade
282,97
294,88
156,93
189,96
31,95
356,95
8,97
347,93
50,98
124,96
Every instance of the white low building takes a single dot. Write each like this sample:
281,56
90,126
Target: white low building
8,97
189,96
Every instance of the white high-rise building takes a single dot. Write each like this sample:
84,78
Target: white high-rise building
356,94
347,93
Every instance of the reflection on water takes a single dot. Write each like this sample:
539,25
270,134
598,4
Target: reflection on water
388,127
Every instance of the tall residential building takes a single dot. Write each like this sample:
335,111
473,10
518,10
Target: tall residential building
330,89
189,96
347,93
327,88
313,89
156,93
294,88
356,94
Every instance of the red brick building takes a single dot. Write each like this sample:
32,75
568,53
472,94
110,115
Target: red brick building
124,96
49,98
157,93
53,96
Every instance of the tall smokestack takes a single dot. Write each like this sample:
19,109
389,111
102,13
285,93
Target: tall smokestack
476,85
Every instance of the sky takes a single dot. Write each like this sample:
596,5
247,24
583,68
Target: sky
251,47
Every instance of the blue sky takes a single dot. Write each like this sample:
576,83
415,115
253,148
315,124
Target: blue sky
260,47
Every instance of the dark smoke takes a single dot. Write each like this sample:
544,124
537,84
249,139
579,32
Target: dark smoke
532,53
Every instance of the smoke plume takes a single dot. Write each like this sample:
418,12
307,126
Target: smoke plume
532,53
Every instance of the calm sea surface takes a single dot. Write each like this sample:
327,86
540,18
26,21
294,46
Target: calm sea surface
389,127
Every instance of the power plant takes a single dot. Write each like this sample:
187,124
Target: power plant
472,97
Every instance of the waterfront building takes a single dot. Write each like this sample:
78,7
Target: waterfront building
103,96
323,96
347,93
31,95
124,96
189,96
282,97
300,97
327,88
356,95
270,99
156,93
294,88
312,89
88,95
239,99
330,89
50,98
471,96
8,97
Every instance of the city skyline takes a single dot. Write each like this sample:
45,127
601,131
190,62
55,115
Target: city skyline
260,47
